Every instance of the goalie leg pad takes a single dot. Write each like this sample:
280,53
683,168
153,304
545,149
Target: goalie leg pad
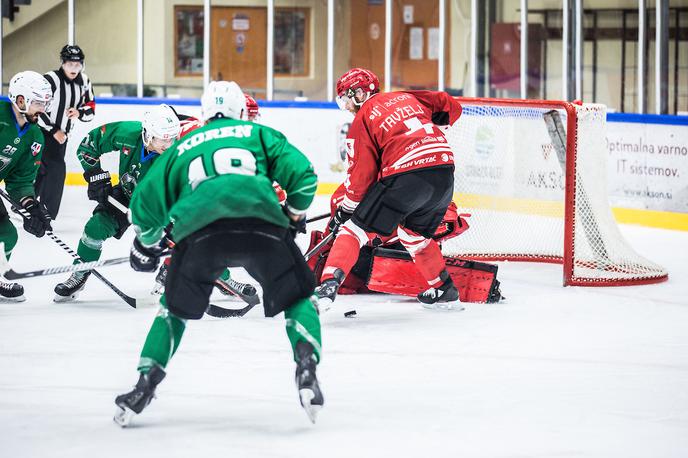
394,272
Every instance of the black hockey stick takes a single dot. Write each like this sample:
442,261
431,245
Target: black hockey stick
319,246
220,312
24,214
80,267
232,287
317,218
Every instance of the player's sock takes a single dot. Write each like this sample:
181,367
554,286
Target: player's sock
69,289
162,340
342,256
303,324
133,402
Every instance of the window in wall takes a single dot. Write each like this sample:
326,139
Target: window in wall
292,35
188,37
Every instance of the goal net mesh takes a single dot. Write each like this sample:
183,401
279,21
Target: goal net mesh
511,176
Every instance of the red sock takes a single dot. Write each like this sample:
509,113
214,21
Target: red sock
343,255
430,263
426,255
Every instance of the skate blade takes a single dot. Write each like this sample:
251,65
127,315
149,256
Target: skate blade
12,299
455,306
123,416
324,304
306,395
70,298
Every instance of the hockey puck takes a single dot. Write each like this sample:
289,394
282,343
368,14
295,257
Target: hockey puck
350,314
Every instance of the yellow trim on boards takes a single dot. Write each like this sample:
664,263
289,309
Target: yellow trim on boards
648,218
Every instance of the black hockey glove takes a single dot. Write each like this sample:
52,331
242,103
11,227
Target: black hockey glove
340,217
38,222
145,258
297,226
99,184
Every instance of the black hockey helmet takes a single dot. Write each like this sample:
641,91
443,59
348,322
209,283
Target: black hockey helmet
72,52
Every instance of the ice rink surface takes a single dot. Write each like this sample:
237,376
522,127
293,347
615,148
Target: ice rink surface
551,372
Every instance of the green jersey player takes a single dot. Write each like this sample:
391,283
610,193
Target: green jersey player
21,144
214,188
138,145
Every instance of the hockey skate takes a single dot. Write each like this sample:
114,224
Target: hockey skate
133,402
69,289
326,292
446,297
11,292
235,288
306,381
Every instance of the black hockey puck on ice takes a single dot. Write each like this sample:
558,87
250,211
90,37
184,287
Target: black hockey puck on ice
350,314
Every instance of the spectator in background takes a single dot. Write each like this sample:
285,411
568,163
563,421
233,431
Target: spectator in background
72,100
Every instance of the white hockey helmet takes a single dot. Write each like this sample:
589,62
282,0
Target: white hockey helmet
161,123
33,86
223,98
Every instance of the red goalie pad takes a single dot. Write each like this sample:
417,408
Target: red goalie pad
393,272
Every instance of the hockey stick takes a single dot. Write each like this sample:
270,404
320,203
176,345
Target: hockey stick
319,246
556,131
82,266
317,218
24,214
220,312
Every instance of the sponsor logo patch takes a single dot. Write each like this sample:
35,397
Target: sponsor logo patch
36,148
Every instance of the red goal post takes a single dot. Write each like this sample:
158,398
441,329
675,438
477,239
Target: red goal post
532,173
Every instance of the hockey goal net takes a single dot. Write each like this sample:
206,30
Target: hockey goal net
533,176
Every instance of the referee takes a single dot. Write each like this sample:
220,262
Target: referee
72,99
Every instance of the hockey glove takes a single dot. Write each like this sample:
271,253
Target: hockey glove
340,217
297,223
99,184
38,222
145,258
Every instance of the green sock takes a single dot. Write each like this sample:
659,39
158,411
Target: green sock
99,228
162,340
225,275
303,324
8,236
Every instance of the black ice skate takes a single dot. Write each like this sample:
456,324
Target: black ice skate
326,292
133,402
243,291
160,278
69,289
11,292
446,297
306,381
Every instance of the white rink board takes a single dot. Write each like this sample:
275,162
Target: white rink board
647,167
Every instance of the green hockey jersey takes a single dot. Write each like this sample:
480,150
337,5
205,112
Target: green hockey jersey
20,153
125,138
222,170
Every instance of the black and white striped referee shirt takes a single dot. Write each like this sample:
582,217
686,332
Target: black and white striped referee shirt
67,94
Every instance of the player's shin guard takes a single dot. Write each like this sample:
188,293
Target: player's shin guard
162,340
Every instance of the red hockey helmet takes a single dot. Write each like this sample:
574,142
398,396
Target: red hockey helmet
354,84
251,108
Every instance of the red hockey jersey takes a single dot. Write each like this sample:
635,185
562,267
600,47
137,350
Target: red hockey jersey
396,132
